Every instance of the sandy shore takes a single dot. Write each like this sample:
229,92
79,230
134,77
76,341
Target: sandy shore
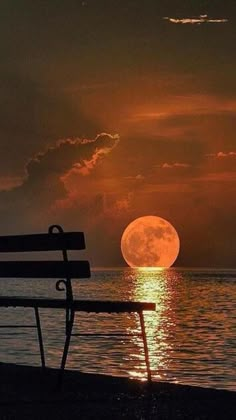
25,393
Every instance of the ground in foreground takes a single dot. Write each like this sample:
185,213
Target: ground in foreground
26,393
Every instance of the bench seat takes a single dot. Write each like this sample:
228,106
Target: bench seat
77,305
112,306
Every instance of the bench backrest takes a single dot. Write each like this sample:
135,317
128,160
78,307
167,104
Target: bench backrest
55,240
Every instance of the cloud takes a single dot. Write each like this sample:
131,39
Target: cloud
196,20
116,206
104,144
140,177
184,105
217,177
43,185
78,154
9,182
222,154
122,205
175,165
229,154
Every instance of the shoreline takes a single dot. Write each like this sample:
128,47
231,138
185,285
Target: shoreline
27,393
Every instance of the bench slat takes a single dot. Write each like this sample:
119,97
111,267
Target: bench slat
44,269
78,305
112,306
42,242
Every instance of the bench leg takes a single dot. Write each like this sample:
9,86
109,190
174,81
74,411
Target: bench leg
66,347
145,346
40,338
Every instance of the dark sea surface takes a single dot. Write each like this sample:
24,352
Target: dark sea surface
191,336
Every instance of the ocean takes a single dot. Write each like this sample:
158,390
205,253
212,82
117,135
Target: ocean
191,336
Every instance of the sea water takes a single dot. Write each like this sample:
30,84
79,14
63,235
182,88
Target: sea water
191,335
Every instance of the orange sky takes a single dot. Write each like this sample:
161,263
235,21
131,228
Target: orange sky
164,93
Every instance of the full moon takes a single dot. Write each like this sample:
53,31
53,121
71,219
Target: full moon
150,241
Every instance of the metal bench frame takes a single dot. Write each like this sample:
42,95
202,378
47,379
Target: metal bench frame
57,239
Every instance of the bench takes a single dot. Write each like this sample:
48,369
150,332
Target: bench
63,271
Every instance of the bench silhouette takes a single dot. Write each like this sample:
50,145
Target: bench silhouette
65,270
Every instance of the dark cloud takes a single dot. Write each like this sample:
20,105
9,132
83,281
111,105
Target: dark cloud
175,165
223,155
195,20
66,154
43,183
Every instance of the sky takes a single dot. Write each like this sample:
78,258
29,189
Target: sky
116,109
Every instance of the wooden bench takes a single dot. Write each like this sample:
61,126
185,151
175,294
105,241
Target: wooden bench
65,270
